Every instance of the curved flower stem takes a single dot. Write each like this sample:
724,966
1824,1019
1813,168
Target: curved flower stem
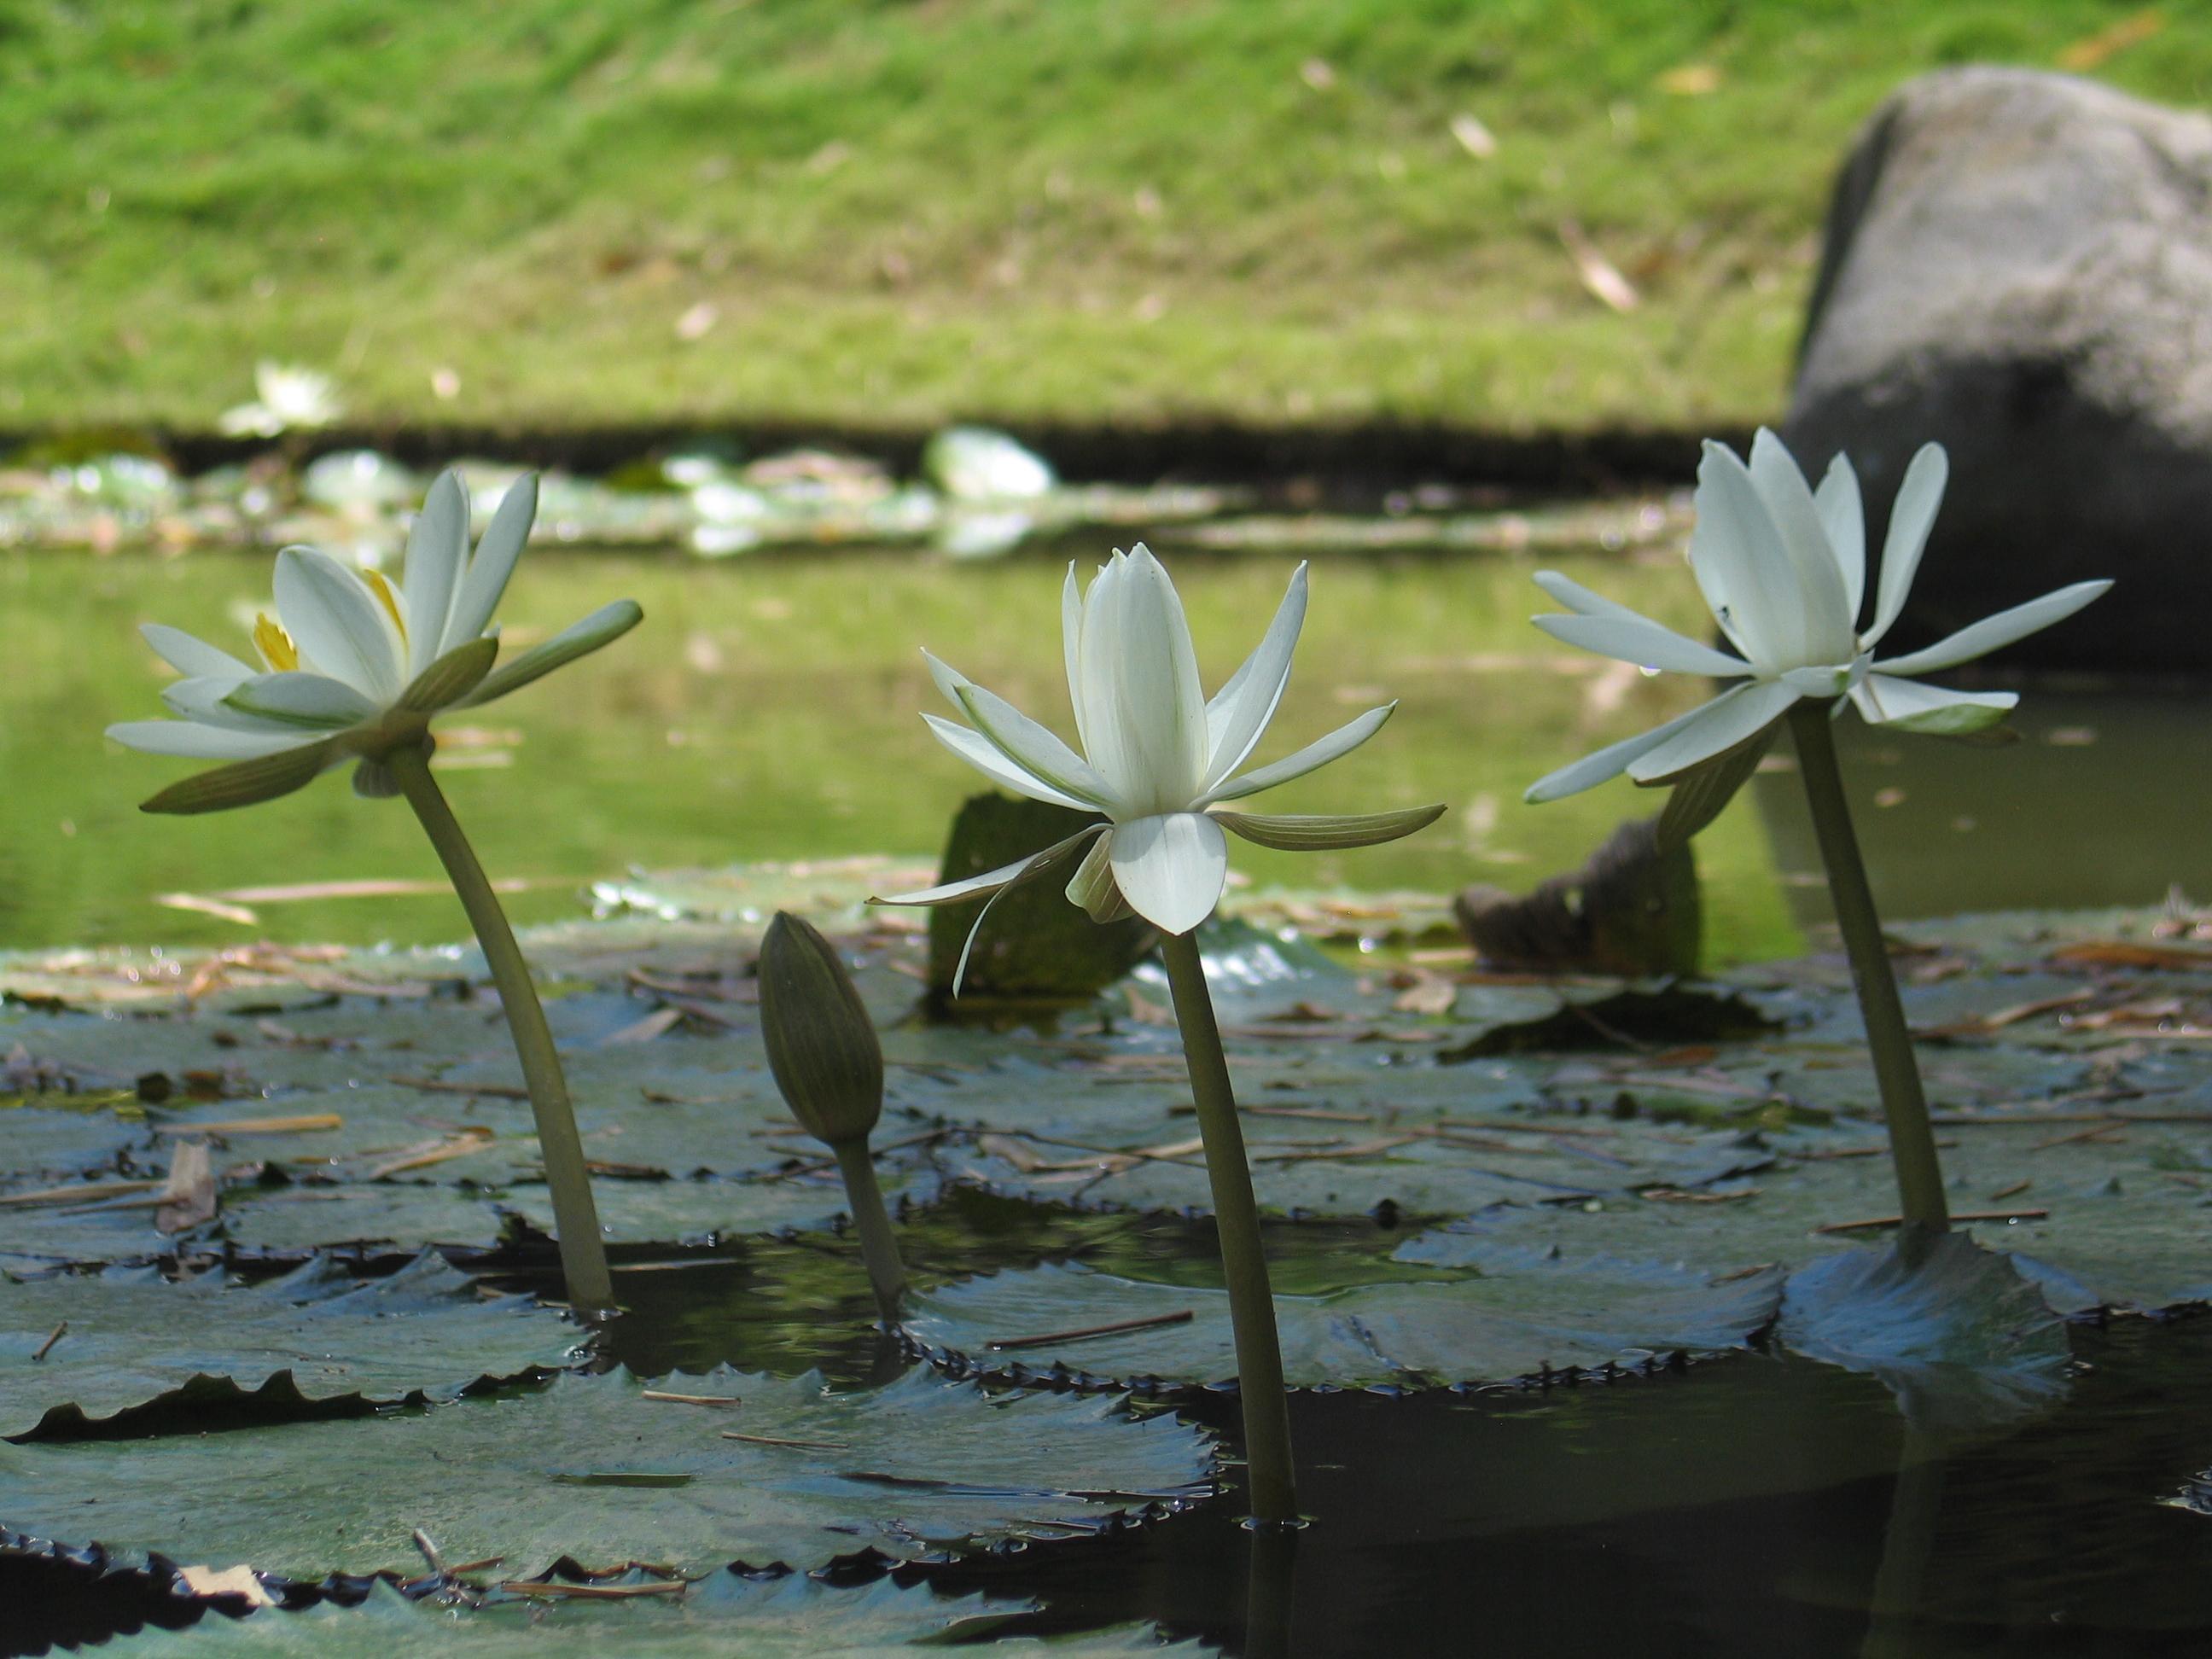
576,1218
1269,1469
1911,1140
878,1246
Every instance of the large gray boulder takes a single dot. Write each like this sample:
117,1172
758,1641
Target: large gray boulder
2019,265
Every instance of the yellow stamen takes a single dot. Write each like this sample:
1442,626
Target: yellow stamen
275,644
382,589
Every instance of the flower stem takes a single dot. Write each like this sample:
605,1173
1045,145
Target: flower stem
576,1218
1269,1470
878,1247
1911,1140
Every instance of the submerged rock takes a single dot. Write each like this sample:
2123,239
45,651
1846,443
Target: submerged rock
2019,266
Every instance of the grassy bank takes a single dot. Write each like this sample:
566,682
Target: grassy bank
901,213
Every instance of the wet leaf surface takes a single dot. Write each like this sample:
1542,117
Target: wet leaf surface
587,1468
1964,1339
76,1349
723,1615
2067,1086
1518,1313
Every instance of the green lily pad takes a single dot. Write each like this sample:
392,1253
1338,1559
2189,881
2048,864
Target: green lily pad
1958,1334
129,1338
725,1615
586,1468
1524,1313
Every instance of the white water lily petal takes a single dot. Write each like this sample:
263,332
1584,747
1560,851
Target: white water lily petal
341,628
1611,761
1006,875
978,752
1911,707
485,579
1171,868
437,556
1070,649
1314,755
1911,516
1827,616
1140,673
1842,518
308,702
1327,832
1092,887
203,742
1580,599
1035,749
201,699
1640,640
1993,632
1238,713
192,656
580,639
1733,717
1762,603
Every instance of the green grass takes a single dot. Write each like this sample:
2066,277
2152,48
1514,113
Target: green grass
906,212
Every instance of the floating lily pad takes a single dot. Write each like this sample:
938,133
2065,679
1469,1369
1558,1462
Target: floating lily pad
586,1468
725,1615
1525,1312
1962,1337
129,1338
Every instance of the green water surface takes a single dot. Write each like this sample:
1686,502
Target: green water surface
768,709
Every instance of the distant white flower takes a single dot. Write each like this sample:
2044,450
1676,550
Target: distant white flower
352,667
1158,759
1783,568
291,397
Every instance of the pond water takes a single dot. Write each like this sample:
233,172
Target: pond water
767,710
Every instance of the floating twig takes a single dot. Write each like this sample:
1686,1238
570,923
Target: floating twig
1874,1222
2013,1191
777,1440
693,1398
1084,1333
560,1592
52,1337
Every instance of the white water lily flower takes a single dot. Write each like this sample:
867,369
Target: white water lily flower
1158,759
1782,567
290,397
353,667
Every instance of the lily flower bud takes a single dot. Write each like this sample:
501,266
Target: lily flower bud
821,1043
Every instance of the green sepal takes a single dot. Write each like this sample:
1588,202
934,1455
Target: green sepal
1324,832
244,783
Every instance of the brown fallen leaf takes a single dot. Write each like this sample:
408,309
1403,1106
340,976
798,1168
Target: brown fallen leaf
656,1024
303,1123
187,1198
2121,953
424,1153
2092,50
203,1580
1429,994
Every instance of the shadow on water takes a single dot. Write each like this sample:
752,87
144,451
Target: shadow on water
1753,1506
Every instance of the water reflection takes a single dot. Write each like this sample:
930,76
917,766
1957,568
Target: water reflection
2104,802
